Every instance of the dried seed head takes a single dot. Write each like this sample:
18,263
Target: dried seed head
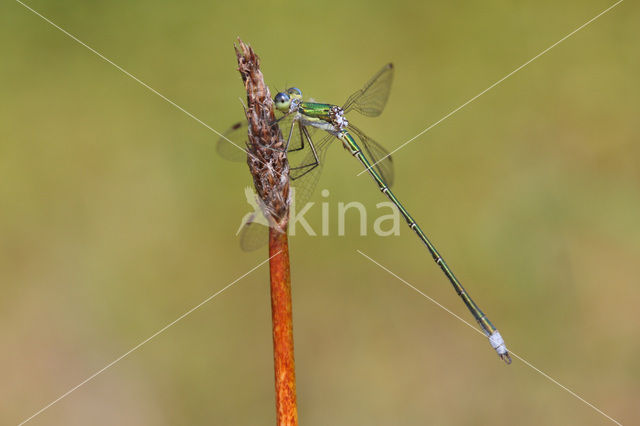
266,159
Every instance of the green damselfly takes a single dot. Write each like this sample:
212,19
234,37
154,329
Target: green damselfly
299,121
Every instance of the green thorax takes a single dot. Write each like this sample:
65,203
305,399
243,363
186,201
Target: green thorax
316,110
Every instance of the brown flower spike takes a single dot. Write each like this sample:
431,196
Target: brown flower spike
267,162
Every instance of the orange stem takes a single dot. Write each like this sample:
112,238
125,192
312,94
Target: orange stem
281,315
286,408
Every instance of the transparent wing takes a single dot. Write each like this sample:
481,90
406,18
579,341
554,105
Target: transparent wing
254,234
305,173
232,145
371,99
376,154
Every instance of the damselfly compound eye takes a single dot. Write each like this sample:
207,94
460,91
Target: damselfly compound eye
282,101
294,92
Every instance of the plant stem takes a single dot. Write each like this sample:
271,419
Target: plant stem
287,412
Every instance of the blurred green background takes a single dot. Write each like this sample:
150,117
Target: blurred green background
117,216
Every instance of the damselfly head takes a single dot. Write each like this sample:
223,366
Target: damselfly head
282,101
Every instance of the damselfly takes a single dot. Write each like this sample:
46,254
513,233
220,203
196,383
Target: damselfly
299,122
